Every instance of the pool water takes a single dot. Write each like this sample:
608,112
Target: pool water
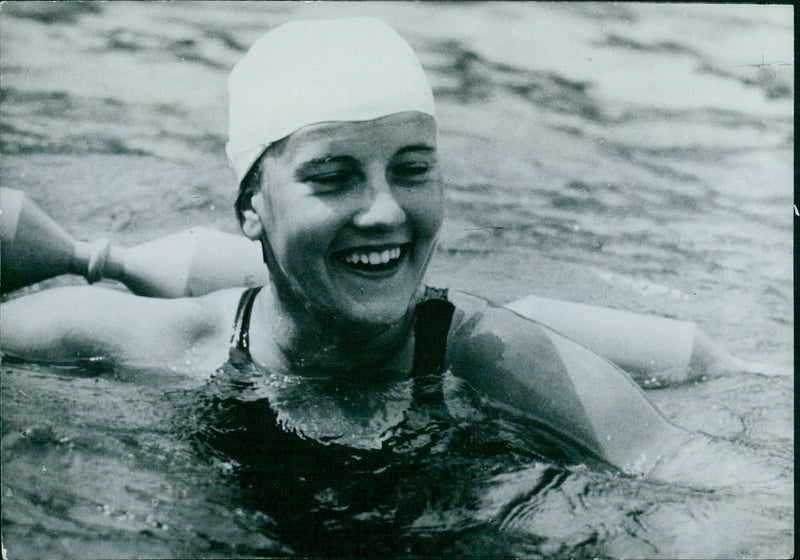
636,156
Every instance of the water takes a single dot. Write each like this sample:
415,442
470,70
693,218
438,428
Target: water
637,156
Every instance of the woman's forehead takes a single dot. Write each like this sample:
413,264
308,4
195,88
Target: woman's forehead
385,134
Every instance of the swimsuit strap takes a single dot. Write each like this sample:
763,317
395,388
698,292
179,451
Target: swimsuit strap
433,316
240,340
432,323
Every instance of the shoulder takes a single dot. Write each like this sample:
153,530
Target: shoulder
493,347
511,359
557,381
478,322
220,306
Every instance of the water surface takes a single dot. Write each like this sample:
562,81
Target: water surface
638,156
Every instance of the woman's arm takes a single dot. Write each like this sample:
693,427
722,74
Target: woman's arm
80,322
559,383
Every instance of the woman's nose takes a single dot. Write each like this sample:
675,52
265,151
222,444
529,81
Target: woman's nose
380,209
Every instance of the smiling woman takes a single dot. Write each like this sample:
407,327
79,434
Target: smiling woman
348,214
352,404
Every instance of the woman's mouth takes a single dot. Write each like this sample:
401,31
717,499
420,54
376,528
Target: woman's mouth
372,259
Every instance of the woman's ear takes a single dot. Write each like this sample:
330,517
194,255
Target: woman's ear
251,207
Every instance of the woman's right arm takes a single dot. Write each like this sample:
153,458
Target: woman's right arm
80,322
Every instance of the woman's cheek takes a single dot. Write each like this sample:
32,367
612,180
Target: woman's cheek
310,238
429,214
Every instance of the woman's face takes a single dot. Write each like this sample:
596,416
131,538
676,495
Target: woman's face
352,210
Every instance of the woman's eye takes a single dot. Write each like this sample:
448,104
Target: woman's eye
337,179
411,171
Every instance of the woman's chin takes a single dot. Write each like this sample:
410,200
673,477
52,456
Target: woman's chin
377,314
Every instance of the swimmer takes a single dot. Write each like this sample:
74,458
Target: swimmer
334,146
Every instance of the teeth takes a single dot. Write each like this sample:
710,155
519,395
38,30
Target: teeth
373,258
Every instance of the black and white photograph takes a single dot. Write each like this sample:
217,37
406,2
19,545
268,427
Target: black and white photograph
396,280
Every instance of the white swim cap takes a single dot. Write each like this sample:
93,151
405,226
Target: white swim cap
307,72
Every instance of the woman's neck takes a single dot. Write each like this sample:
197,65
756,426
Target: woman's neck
298,340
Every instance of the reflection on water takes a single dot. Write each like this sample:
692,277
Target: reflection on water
630,155
119,468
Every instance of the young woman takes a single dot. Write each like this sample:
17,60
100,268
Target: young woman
333,141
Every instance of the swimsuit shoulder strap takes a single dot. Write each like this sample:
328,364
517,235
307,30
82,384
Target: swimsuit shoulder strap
240,340
432,324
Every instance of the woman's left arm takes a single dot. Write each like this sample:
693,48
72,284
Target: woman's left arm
560,383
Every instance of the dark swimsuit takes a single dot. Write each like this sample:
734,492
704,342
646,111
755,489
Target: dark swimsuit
330,499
